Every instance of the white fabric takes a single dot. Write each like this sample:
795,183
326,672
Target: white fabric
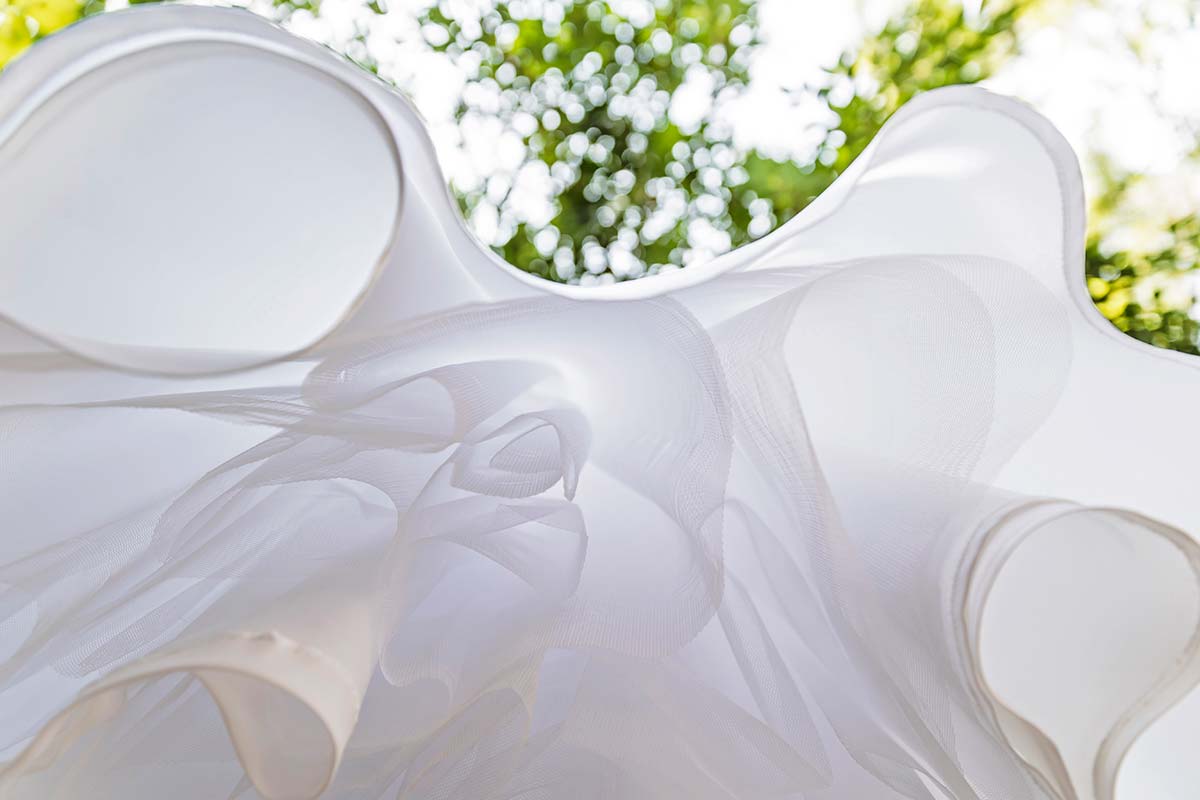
306,494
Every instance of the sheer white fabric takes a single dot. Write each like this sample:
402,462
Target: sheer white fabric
305,494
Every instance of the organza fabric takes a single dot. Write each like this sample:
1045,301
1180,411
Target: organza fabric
876,507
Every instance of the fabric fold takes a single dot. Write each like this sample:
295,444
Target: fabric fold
772,526
288,685
1114,644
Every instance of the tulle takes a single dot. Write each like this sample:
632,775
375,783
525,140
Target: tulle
832,517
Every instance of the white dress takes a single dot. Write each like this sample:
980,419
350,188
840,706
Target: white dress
306,494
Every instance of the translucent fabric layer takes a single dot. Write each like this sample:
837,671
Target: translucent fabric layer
349,508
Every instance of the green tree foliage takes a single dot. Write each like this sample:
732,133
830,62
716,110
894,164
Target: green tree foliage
1141,270
619,177
24,21
588,92
930,45
588,88
1144,293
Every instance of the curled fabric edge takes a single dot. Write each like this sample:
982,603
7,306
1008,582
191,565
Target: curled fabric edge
544,457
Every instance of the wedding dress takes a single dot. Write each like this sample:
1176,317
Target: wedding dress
307,494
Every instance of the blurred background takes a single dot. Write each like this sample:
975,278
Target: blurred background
592,141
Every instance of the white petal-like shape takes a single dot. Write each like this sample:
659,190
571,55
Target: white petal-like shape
306,493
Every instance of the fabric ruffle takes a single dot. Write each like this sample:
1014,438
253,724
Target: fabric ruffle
842,514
